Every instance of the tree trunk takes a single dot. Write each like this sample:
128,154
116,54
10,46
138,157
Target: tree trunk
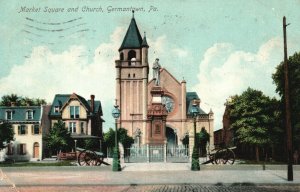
257,153
273,152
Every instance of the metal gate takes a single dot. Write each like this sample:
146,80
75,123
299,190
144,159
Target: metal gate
156,153
177,154
136,154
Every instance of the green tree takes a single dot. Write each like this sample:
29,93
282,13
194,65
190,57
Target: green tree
58,138
6,134
253,118
185,140
202,138
109,138
6,100
294,90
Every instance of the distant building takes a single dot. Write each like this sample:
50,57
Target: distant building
81,117
224,136
26,123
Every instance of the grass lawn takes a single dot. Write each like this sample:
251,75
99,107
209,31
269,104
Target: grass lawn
37,164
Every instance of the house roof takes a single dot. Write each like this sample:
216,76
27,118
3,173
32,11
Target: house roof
189,103
133,38
19,113
61,100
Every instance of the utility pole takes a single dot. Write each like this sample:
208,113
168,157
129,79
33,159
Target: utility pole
287,107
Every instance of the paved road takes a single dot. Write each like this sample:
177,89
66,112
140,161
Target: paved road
210,178
156,188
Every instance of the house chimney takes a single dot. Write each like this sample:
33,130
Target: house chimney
12,104
92,103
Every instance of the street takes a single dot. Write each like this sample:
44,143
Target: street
209,178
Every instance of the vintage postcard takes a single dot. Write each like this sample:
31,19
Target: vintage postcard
168,75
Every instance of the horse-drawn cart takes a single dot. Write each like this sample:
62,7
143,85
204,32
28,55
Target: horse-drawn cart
90,158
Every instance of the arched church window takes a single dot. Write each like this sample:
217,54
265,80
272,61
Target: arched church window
122,56
131,54
134,75
128,75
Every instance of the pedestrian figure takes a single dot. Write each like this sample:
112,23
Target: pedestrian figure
296,157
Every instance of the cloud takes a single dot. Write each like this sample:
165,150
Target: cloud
180,52
46,73
225,71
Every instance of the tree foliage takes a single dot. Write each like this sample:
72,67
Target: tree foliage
109,138
294,90
6,100
6,134
203,137
254,118
58,138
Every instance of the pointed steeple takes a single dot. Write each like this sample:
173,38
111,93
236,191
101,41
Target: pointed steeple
133,38
144,43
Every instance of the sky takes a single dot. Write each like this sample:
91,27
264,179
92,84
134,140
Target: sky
219,47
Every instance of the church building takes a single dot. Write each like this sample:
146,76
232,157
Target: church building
154,110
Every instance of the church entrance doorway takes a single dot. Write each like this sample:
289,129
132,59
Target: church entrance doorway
171,137
175,152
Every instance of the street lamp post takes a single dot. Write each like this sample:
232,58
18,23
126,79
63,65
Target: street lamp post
195,156
116,158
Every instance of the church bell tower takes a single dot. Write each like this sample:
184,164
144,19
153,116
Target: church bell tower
132,81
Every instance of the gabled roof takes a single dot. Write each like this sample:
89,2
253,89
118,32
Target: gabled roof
60,100
81,100
133,38
19,113
189,103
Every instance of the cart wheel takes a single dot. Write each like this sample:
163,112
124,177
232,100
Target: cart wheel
218,157
228,156
81,158
90,158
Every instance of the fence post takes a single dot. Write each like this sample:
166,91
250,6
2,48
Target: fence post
165,152
148,154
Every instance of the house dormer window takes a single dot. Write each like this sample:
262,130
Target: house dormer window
56,109
9,115
29,115
74,112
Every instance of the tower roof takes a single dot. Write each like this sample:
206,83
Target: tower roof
144,43
133,38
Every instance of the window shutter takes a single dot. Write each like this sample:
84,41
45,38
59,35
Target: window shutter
19,130
32,129
26,129
40,129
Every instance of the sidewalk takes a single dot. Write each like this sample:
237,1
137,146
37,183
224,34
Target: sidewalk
160,173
